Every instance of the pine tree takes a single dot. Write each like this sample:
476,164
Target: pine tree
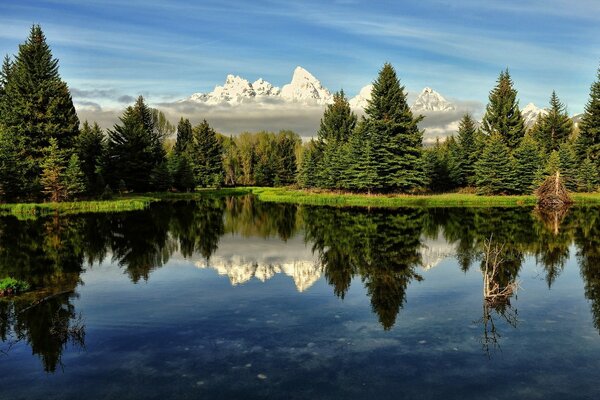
527,163
502,114
363,169
52,172
588,142
206,156
568,165
91,150
160,177
468,149
12,177
131,153
307,176
554,128
587,179
494,172
144,115
395,139
337,125
35,104
184,136
74,178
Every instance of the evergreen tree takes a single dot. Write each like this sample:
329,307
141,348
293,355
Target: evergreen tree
35,104
337,125
12,176
160,177
286,169
52,172
74,178
309,166
91,150
568,165
494,172
527,163
502,114
468,148
184,136
395,139
588,142
554,128
131,152
206,156
587,179
363,169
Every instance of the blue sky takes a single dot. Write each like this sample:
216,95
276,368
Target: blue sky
169,49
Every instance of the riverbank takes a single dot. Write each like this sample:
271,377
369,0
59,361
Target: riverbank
327,198
133,202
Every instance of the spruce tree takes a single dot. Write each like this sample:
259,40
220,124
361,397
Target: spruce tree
13,182
527,163
554,128
395,139
91,150
131,153
161,178
307,176
587,178
502,114
468,148
286,168
184,136
494,172
206,156
52,172
588,142
568,165
35,103
74,178
363,169
337,125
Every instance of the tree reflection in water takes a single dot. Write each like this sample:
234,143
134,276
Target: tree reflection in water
383,248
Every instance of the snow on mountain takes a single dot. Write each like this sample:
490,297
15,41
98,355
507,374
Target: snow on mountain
577,119
531,112
430,100
240,270
305,88
361,100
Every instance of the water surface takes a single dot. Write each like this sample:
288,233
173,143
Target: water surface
233,298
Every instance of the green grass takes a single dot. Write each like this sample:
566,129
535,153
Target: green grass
325,198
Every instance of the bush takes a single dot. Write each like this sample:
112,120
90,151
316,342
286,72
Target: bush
9,286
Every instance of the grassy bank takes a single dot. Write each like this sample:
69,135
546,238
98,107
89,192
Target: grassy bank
321,198
129,202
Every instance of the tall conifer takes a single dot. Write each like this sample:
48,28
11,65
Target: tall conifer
588,142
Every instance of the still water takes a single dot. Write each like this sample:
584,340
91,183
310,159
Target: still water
232,298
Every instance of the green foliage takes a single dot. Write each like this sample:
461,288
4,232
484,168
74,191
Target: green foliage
107,194
53,168
588,142
469,150
184,136
311,156
13,181
35,105
394,140
134,148
205,155
160,177
527,162
568,165
502,114
91,150
362,174
553,129
13,285
494,172
181,172
587,177
74,178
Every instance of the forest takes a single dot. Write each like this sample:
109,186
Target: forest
46,153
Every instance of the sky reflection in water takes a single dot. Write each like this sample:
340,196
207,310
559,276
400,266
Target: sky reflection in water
232,298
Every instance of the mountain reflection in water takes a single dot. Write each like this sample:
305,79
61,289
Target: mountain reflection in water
387,250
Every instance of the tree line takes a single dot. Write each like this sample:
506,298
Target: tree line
46,154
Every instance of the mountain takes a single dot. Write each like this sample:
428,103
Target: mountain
430,100
577,118
303,88
530,114
360,101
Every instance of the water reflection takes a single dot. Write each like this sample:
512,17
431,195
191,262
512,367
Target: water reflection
386,250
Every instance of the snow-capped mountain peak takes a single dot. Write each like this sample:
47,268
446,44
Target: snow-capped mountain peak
361,100
430,100
304,87
531,112
264,88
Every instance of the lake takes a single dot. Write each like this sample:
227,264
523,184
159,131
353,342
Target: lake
232,298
